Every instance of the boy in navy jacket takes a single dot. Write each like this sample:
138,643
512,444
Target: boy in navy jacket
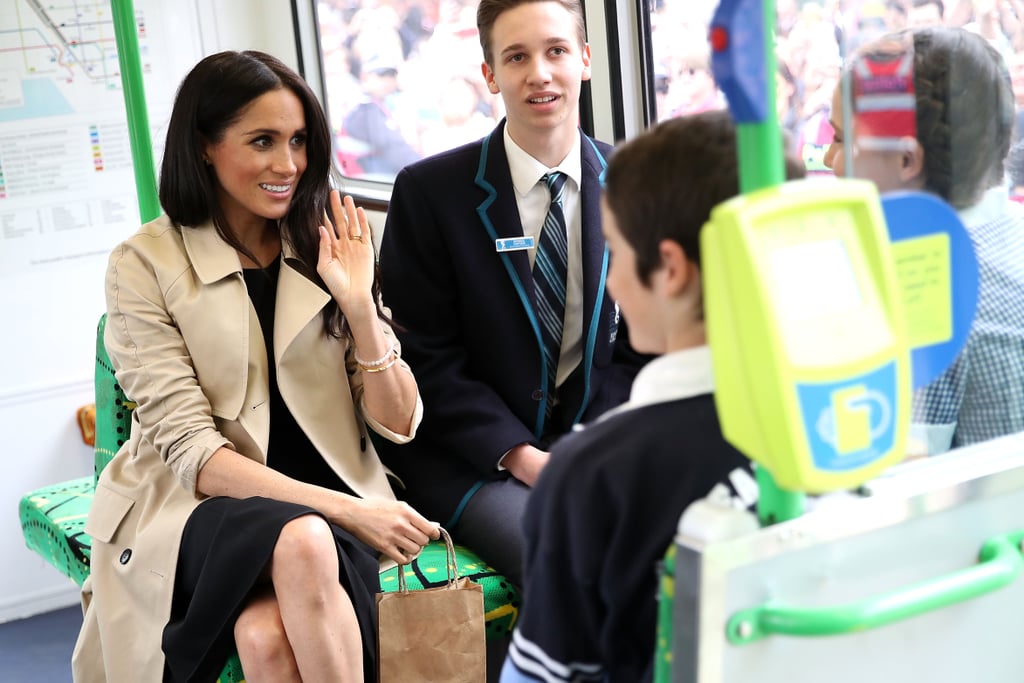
606,507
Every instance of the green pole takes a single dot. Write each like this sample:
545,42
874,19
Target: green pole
666,599
761,165
775,504
135,104
760,144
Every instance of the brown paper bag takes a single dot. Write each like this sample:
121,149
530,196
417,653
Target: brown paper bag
433,635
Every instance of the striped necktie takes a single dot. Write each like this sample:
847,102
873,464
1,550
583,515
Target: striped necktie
550,268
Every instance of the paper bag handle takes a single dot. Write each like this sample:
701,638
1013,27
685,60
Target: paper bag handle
453,568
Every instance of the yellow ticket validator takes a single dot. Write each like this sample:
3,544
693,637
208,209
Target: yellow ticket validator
807,332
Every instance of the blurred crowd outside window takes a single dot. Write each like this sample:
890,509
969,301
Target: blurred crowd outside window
812,37
403,81
403,77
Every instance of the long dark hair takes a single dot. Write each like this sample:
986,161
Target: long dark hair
210,99
965,110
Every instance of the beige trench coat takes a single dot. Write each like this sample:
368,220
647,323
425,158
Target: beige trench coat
188,349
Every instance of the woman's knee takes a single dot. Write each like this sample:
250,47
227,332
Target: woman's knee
305,542
261,639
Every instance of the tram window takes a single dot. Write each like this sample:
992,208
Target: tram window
808,57
683,83
983,397
811,38
402,81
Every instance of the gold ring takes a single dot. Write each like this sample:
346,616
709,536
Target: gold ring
355,237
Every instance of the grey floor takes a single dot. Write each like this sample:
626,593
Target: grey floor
39,648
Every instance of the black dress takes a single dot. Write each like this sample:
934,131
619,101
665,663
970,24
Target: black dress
227,542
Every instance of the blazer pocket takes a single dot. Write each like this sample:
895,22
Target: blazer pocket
108,510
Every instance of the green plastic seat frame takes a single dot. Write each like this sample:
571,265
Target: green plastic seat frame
53,522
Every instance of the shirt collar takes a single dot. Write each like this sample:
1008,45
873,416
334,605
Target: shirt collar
527,171
991,207
674,376
669,377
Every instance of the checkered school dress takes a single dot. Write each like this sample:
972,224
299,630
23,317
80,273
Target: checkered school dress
981,395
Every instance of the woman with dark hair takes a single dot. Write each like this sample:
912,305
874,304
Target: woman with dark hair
954,146
248,507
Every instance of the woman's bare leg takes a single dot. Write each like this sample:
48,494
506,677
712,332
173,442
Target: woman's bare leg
316,611
263,647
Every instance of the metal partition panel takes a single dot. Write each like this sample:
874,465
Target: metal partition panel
923,521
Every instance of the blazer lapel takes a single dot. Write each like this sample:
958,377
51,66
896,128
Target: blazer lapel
499,215
595,261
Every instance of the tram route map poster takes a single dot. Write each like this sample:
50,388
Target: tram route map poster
67,188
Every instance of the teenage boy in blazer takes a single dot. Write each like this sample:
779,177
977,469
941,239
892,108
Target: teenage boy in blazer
463,298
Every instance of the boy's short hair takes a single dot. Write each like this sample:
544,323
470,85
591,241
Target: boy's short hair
488,11
663,183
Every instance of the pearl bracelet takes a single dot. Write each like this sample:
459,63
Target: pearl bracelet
380,368
365,364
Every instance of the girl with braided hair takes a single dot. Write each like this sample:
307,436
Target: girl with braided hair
954,146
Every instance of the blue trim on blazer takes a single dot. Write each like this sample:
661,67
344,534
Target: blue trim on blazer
520,289
591,340
450,524
588,351
588,354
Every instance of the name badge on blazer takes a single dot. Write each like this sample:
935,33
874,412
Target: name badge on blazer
513,244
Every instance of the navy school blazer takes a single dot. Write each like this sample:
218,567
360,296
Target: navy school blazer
468,328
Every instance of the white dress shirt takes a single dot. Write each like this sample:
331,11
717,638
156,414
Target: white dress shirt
533,200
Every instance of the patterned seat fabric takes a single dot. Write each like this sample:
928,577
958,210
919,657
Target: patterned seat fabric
113,409
53,517
53,521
